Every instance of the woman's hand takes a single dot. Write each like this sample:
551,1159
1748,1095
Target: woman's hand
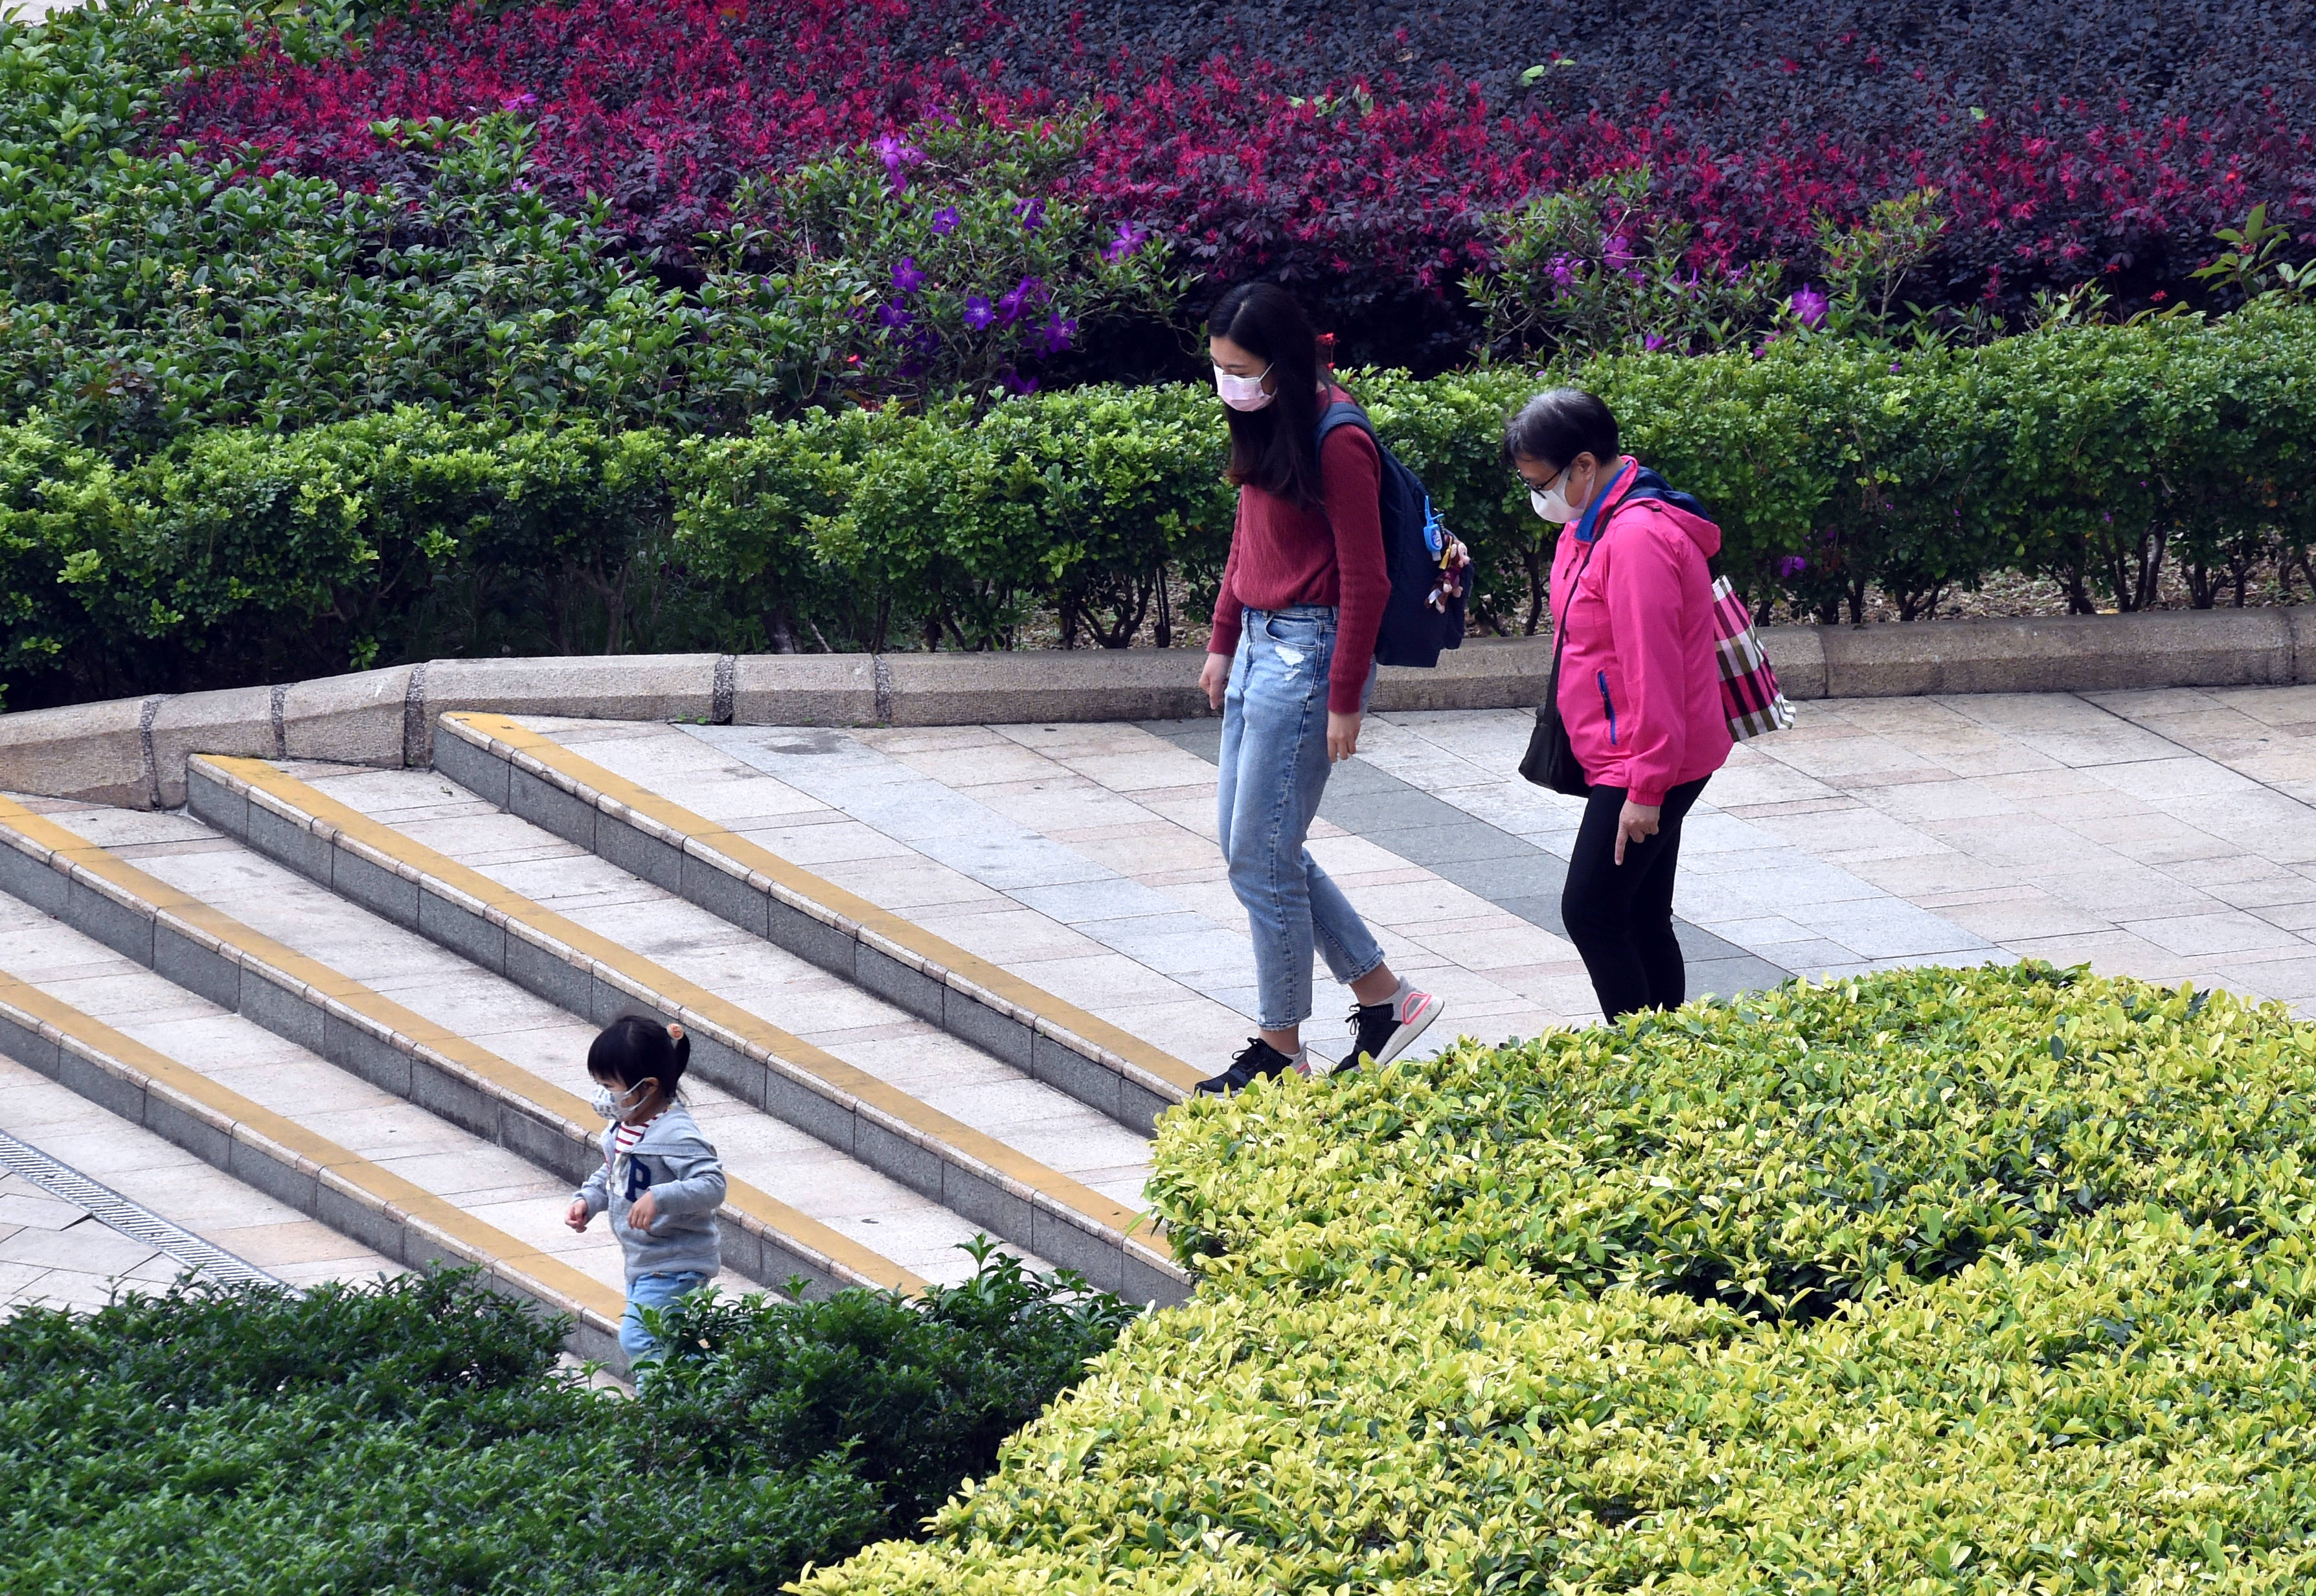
642,1212
1342,736
1635,823
1214,676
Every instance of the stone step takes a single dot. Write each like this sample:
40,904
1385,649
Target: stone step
640,827
944,1118
324,1142
405,1015
58,1250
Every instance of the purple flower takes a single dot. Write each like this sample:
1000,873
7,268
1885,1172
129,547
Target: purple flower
1023,296
1653,342
1617,251
896,317
1562,272
1792,565
1129,239
1893,368
906,277
1808,305
1032,213
1015,383
945,219
1054,336
518,101
977,314
898,155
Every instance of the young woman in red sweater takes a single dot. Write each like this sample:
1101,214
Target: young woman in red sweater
1290,665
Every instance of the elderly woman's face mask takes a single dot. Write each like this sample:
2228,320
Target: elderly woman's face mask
1550,501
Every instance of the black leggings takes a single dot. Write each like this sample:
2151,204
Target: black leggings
1620,916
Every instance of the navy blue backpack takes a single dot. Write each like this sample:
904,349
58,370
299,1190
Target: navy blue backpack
1420,619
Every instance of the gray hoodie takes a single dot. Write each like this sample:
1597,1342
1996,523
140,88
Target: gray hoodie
673,1163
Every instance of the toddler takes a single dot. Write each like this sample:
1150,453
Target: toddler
660,1179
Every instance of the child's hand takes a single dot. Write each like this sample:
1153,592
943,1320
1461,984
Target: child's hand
576,1215
642,1212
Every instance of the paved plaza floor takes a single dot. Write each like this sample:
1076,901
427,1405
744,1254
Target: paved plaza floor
2167,834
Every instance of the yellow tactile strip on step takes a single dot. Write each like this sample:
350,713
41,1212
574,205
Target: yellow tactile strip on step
155,1077
918,1121
890,933
444,1049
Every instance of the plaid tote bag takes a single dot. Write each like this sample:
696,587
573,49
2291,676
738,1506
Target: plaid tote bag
1749,683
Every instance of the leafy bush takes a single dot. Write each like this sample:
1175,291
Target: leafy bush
1793,1151
144,293
417,1436
2093,455
1287,143
913,1396
1958,1281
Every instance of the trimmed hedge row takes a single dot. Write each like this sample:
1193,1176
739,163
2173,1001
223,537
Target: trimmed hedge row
1938,1281
2094,455
417,1437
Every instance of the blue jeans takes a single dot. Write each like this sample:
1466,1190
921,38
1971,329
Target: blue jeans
1274,767
651,1291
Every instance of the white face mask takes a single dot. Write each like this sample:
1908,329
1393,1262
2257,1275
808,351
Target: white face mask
613,1105
1552,506
1243,393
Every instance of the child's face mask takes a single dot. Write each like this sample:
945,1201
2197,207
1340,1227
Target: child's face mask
618,1105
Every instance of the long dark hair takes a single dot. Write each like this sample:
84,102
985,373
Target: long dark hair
1275,448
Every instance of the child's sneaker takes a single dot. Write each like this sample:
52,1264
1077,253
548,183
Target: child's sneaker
1381,1032
1258,1060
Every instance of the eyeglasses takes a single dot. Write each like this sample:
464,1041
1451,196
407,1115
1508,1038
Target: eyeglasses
1545,488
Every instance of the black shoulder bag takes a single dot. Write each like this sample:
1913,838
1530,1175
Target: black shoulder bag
1551,759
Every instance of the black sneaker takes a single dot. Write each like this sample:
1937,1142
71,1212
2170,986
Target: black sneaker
1258,1061
1381,1032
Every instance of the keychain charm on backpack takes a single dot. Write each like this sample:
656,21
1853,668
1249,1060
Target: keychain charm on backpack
1453,558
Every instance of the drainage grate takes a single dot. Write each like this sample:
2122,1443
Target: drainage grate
67,1184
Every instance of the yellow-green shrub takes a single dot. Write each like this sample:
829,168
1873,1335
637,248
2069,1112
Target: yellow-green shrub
1478,1324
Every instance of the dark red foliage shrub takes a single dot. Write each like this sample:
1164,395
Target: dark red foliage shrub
657,106
1316,166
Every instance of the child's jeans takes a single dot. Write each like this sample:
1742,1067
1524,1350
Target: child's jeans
651,1291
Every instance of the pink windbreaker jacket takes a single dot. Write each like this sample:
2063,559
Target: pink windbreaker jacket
1640,685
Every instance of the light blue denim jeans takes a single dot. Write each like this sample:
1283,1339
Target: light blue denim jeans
651,1291
1274,767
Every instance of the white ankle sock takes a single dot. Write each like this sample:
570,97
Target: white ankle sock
1399,995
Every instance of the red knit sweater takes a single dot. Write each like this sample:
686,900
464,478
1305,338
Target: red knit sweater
1281,554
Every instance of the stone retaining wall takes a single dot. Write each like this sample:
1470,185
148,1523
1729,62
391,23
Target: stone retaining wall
133,752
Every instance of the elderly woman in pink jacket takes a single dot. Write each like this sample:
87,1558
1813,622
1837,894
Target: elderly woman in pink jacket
1639,684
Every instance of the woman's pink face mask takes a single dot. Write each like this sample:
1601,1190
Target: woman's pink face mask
1243,393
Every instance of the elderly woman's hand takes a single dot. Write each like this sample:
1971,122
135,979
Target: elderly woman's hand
1636,823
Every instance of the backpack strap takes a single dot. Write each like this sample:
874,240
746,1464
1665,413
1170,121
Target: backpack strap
1342,413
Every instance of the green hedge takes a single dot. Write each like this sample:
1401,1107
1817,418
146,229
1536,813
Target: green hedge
418,1437
2092,455
1932,1282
